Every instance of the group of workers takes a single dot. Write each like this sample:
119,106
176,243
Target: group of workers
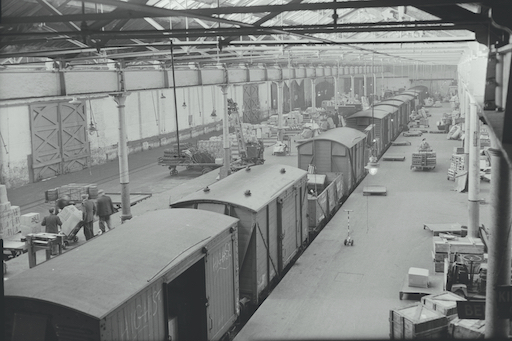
103,208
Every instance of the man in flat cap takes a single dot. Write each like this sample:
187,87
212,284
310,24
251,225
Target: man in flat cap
88,213
105,210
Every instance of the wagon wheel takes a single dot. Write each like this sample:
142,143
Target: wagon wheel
75,239
206,170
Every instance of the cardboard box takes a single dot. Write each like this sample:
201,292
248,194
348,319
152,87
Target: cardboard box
70,216
418,277
30,219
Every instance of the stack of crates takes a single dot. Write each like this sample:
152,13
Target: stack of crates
9,216
74,191
460,246
456,166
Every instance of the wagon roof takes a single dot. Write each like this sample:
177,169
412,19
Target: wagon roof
99,276
387,106
345,136
377,113
265,183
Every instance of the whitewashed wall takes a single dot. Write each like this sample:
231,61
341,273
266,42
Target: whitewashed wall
15,145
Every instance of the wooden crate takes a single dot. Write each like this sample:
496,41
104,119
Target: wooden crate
459,245
445,303
417,321
466,329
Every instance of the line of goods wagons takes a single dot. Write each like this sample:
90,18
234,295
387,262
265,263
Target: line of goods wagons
182,273
185,273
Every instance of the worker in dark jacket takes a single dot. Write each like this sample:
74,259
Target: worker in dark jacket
105,209
52,222
88,213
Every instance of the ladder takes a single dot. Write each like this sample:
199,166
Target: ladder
237,122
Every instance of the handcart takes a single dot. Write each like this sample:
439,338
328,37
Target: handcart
72,236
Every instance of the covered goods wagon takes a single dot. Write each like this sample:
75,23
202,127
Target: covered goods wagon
382,121
339,150
271,203
168,274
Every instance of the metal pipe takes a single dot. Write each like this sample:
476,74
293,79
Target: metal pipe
474,172
498,265
224,171
124,178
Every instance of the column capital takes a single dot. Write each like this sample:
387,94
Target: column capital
224,88
119,97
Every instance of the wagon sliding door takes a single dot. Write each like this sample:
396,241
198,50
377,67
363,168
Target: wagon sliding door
287,221
59,139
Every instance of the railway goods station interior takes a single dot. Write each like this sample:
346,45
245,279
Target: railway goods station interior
278,170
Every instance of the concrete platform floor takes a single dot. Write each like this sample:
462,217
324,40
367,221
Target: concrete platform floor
346,292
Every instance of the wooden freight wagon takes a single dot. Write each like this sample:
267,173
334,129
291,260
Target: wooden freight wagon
271,203
339,150
382,120
322,206
168,274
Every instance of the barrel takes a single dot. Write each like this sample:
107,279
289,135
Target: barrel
52,194
92,190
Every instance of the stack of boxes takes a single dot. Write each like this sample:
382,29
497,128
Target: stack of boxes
456,166
9,216
31,223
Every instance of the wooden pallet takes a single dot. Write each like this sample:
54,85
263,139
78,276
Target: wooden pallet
375,190
393,157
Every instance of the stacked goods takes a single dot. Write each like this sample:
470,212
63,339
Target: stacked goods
70,216
424,159
9,216
30,223
456,166
445,303
214,146
417,322
461,246
75,191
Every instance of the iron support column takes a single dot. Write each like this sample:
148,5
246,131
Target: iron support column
365,86
280,132
124,178
467,130
352,87
498,264
313,93
224,170
474,173
335,95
